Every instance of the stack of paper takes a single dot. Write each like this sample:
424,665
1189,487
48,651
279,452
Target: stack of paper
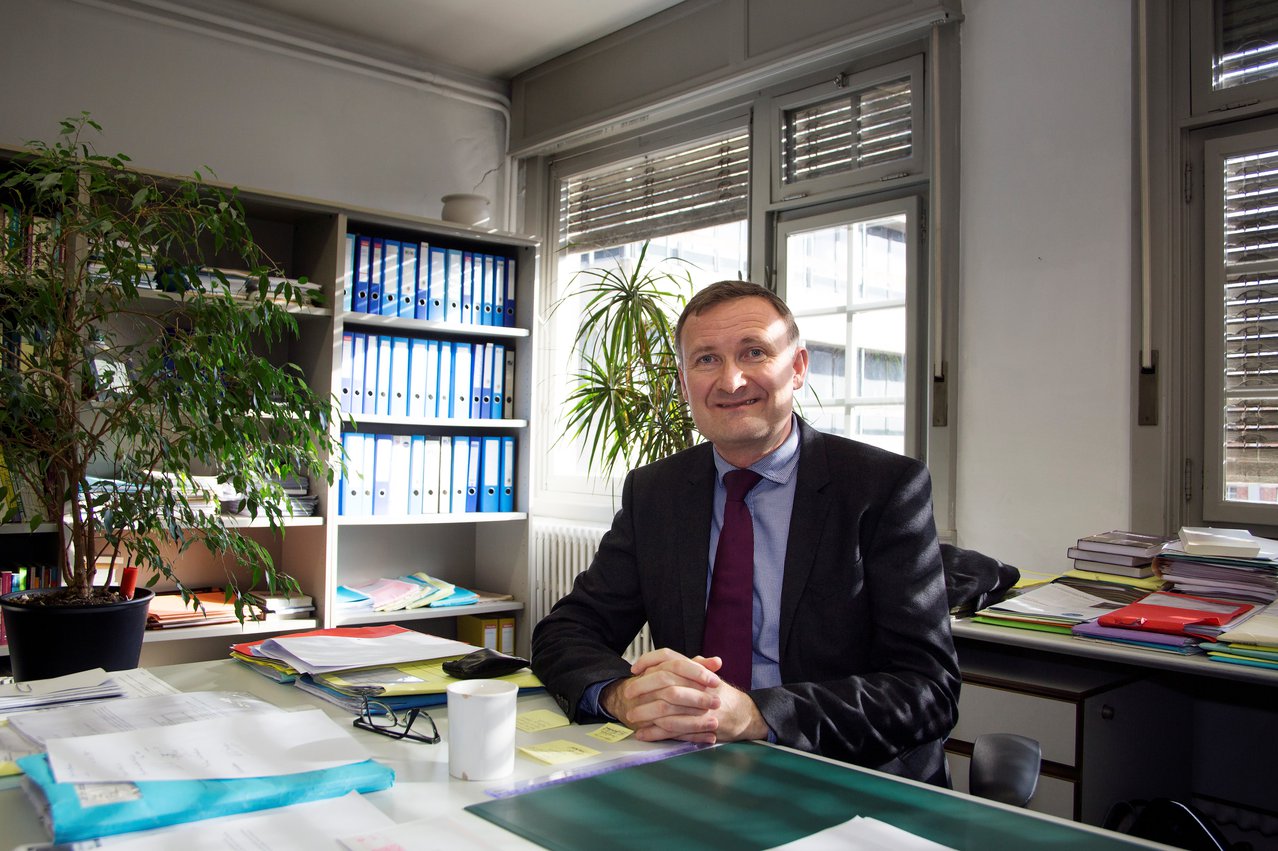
388,594
1227,563
37,694
322,652
413,591
351,601
1254,642
1053,607
170,610
251,654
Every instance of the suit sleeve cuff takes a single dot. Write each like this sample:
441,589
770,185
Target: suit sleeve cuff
589,705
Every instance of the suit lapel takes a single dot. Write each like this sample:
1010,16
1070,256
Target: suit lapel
691,546
807,520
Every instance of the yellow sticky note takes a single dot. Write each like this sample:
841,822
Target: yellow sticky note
558,751
540,719
611,733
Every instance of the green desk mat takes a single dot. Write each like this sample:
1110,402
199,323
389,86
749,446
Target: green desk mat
748,795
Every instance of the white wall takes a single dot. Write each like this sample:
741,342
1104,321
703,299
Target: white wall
1045,364
176,100
1044,367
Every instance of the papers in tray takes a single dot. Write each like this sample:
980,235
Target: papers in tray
322,653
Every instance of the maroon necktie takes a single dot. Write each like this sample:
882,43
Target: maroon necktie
729,614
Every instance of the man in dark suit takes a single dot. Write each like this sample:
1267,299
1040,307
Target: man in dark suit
851,652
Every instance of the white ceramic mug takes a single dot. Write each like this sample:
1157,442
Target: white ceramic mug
481,729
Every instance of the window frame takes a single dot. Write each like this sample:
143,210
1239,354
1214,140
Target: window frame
1202,48
916,302
813,189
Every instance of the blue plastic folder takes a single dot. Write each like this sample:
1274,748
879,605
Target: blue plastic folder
160,803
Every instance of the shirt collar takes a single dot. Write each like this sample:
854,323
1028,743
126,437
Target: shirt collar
778,465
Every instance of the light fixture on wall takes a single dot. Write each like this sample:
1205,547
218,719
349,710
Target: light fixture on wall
466,209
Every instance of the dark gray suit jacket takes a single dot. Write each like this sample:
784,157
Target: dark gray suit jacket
868,669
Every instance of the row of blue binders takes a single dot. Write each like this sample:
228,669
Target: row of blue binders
393,475
418,377
415,280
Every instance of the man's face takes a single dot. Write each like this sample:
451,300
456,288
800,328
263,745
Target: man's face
739,374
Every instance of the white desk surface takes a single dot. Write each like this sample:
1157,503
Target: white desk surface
423,788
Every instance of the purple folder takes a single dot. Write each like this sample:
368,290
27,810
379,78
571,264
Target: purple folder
1091,629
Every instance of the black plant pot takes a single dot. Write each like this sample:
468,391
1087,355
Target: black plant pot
49,641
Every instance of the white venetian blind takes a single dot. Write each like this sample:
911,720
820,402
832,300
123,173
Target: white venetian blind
1250,260
1246,42
863,127
667,192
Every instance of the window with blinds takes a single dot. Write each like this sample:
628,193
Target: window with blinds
671,191
1245,233
867,127
849,131
1246,48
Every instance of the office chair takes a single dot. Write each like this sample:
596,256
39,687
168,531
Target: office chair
1004,768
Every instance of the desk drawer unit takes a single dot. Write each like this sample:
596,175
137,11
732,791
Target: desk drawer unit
1104,736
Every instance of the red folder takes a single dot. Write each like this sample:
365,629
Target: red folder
1166,611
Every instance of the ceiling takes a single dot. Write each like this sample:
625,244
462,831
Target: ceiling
494,39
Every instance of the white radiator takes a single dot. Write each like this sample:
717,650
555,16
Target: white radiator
560,552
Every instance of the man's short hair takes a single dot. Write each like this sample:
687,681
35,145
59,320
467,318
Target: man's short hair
724,291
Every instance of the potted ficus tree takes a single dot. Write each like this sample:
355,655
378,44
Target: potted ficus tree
129,363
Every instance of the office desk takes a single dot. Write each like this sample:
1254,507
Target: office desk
1111,653
780,795
1147,723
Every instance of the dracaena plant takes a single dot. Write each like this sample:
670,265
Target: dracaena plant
128,364
625,404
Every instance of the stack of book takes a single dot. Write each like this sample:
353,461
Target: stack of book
1118,553
281,607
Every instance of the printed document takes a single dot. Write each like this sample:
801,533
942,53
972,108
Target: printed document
249,744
